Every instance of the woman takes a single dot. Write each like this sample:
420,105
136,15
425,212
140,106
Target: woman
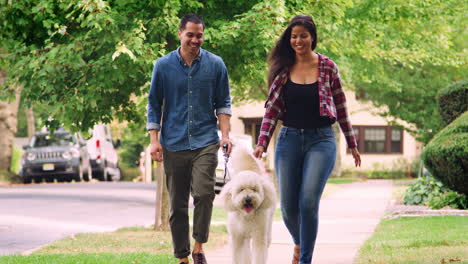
306,94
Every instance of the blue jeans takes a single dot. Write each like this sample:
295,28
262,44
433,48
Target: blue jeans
304,159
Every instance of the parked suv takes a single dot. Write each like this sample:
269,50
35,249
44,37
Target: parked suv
103,156
62,155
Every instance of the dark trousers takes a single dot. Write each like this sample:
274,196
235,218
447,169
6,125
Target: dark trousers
190,172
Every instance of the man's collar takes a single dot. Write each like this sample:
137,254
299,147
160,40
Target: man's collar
181,60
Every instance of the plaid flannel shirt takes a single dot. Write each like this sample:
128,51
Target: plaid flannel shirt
332,102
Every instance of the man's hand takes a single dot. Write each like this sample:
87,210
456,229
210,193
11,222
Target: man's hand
156,151
229,145
258,152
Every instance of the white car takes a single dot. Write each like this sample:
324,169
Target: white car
246,141
102,154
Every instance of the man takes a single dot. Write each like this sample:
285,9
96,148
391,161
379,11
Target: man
188,86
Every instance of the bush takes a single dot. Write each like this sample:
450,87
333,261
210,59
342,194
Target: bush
449,198
128,173
429,191
453,101
16,159
400,168
445,155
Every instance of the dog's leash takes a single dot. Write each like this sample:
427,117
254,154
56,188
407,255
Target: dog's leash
226,159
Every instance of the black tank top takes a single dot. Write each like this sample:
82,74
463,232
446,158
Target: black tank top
302,106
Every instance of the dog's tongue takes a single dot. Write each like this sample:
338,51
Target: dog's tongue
248,209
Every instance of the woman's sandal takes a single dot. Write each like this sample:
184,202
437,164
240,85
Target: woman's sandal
296,255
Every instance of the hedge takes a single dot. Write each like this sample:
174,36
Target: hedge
445,156
453,100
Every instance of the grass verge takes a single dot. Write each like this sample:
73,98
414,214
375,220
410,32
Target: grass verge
127,245
417,240
92,258
342,180
16,159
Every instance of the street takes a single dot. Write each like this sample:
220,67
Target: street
36,214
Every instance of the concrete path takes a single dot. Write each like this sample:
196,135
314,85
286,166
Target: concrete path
347,218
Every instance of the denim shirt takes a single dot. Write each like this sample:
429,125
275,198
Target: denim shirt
187,99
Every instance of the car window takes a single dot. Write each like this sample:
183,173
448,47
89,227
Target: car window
56,140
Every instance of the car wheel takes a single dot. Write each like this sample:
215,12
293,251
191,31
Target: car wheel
115,176
89,174
38,179
79,175
105,174
49,179
27,179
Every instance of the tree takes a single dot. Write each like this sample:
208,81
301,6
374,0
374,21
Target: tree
8,112
400,53
83,60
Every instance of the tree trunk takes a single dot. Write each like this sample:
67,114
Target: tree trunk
8,120
161,222
30,121
337,169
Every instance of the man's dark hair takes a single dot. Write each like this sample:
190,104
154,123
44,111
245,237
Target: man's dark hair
190,18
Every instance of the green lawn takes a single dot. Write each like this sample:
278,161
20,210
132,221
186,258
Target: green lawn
134,245
342,180
92,258
417,240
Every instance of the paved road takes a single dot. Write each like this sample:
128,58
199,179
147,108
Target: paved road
37,214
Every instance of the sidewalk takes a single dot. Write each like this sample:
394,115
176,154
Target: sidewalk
347,218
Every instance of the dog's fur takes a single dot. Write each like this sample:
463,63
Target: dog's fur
250,199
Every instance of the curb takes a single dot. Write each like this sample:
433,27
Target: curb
425,213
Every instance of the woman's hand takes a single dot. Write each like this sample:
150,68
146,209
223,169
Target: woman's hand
258,152
356,156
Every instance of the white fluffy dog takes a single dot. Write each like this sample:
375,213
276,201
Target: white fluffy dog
250,199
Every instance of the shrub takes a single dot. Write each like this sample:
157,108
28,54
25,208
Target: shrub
429,191
445,155
16,159
453,100
400,168
449,198
129,174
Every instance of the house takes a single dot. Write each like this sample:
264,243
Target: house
381,145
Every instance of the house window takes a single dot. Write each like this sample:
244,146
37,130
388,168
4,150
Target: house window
252,127
374,140
396,141
379,139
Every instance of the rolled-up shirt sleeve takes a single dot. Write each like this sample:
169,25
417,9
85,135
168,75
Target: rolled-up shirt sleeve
155,100
222,100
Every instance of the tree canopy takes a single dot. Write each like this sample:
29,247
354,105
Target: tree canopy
90,61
